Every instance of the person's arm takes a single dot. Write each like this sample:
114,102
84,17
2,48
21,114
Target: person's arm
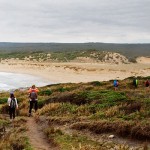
37,90
8,101
16,103
29,91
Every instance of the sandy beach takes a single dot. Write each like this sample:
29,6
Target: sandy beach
76,72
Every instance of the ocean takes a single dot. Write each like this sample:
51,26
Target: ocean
11,81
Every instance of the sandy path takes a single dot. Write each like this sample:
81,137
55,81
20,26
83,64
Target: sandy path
36,137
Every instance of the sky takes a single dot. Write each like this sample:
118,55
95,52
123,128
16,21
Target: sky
75,21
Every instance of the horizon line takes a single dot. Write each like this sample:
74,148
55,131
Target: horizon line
73,42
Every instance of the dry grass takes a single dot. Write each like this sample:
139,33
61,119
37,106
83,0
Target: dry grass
94,106
87,147
50,134
15,138
131,107
124,129
48,108
4,109
60,120
112,111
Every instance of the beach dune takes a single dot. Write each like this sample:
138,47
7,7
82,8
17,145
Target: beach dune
76,72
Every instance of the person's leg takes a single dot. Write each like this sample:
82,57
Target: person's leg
31,106
36,105
10,112
115,87
13,112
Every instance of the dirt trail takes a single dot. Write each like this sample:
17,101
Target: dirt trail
36,137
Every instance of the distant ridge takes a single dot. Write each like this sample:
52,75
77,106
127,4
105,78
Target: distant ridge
129,50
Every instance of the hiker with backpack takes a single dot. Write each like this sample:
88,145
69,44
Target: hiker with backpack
13,105
135,82
147,83
33,99
116,84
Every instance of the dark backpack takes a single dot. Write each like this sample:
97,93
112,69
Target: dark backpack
13,103
33,96
134,82
147,83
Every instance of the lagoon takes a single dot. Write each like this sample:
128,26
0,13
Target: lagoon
9,81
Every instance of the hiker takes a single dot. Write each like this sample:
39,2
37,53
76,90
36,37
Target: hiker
116,84
147,83
33,99
13,105
135,82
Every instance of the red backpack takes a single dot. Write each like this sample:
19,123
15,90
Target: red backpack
147,83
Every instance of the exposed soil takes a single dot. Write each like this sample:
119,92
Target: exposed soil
36,136
101,138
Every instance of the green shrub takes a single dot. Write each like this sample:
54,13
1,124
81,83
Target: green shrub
98,115
96,83
68,108
41,103
3,100
103,96
45,92
62,89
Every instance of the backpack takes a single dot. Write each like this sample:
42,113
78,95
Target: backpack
135,82
147,83
13,103
115,83
33,95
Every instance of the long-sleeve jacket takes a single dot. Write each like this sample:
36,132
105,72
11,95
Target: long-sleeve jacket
9,101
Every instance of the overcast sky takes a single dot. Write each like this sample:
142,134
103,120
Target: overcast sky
117,21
